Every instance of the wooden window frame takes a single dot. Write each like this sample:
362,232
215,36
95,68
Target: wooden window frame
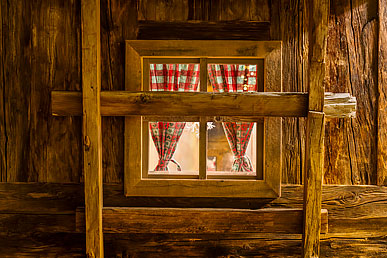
136,134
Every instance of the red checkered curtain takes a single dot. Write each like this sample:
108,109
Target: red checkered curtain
166,135
236,78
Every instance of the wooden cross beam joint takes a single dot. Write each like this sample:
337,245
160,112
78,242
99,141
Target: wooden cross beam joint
279,104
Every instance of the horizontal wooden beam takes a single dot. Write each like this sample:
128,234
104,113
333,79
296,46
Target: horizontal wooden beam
185,245
203,30
353,210
197,221
123,103
191,105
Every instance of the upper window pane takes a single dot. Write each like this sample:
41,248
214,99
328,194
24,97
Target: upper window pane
174,77
233,77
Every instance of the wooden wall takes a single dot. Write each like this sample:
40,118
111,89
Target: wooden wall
41,52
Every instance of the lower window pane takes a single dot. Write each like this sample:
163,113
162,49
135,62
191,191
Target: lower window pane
173,148
232,149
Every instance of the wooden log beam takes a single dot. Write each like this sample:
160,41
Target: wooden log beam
119,103
203,30
339,105
198,221
92,147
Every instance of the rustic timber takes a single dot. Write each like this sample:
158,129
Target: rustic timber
198,221
204,48
191,30
382,96
149,245
339,105
358,210
314,164
92,141
362,207
352,66
314,145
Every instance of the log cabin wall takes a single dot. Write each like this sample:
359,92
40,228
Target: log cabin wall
41,46
41,52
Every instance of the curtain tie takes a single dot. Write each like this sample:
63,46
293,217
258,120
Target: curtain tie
163,165
242,163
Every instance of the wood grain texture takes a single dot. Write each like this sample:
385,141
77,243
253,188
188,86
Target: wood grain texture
125,103
198,221
150,245
357,224
223,10
192,30
288,24
357,210
352,58
204,48
34,37
92,140
339,105
118,23
314,165
382,95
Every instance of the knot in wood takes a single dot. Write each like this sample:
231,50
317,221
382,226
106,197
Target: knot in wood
144,98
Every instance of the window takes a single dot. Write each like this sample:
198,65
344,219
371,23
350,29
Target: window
186,150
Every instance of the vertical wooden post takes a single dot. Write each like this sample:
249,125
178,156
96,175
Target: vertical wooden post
92,147
314,160
382,98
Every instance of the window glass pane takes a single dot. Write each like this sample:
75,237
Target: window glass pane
233,78
232,148
174,148
174,77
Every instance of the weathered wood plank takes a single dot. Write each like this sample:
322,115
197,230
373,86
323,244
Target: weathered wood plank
382,95
118,23
314,164
120,103
175,245
339,105
196,221
199,30
362,207
37,38
289,23
16,223
68,103
92,141
204,48
351,145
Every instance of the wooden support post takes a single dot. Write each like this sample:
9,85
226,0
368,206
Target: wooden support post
92,147
314,164
314,161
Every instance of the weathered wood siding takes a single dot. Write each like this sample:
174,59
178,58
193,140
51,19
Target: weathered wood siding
40,44
39,220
